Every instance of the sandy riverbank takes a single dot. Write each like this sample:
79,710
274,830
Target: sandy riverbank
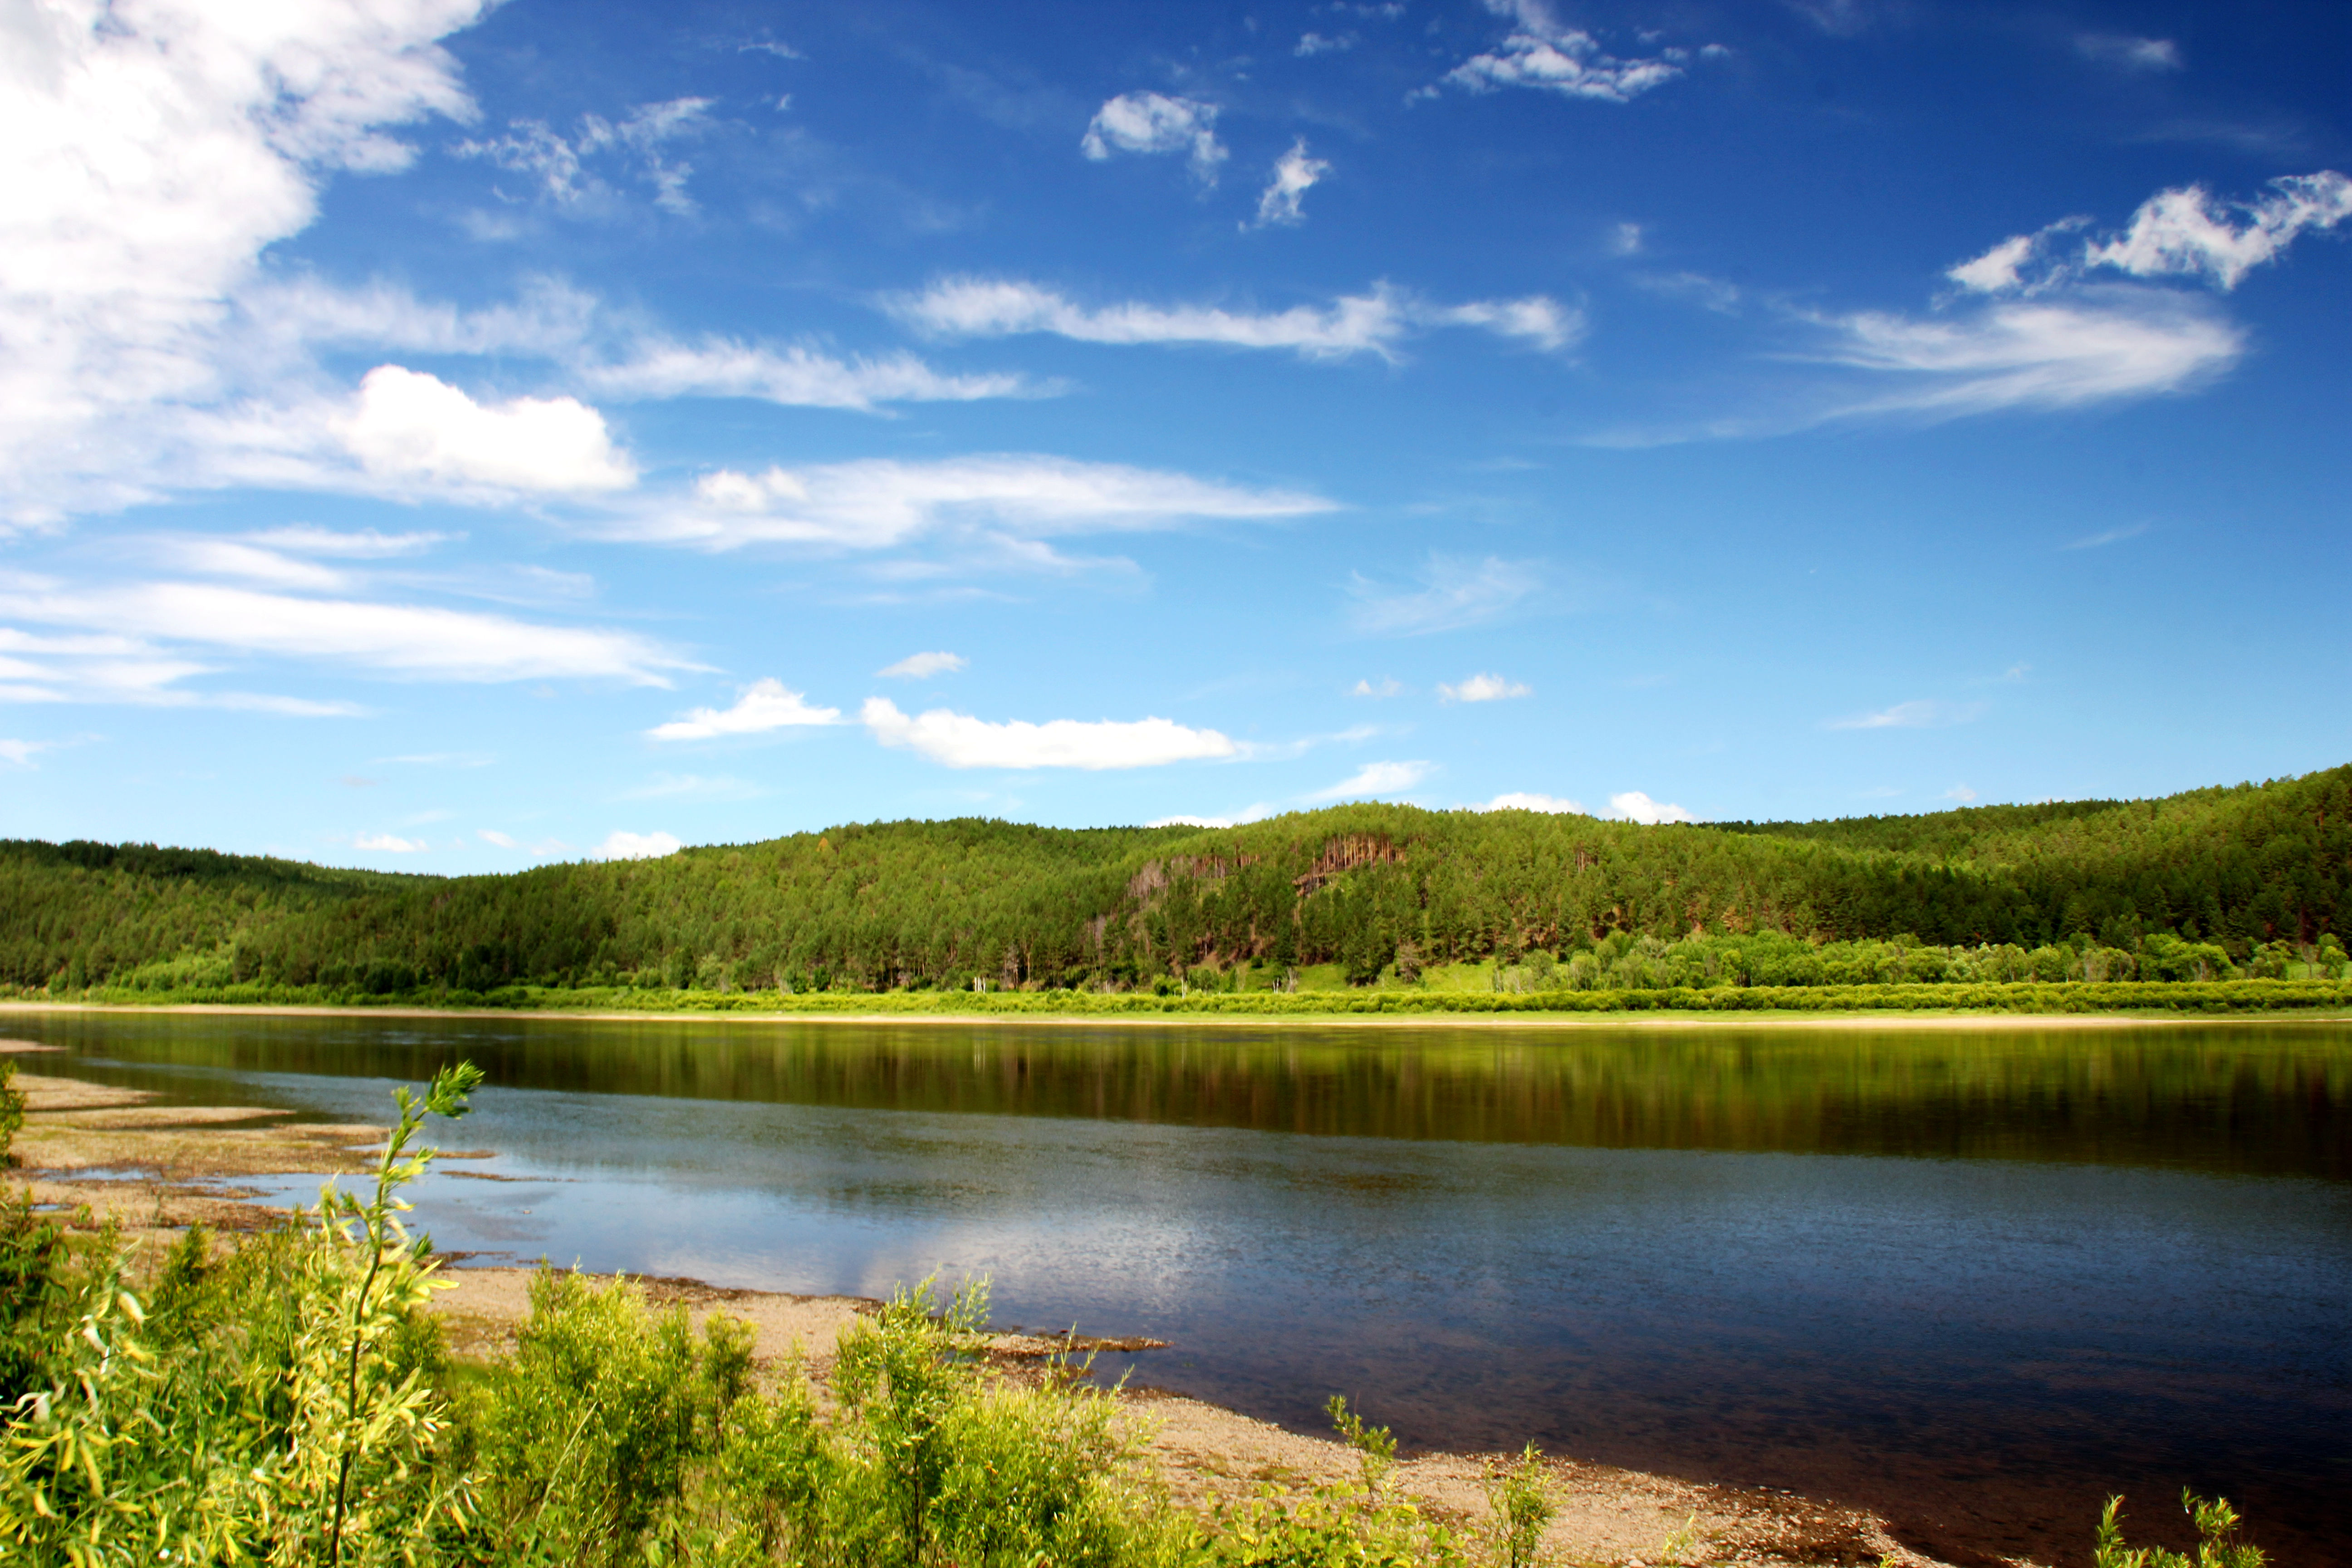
97,1153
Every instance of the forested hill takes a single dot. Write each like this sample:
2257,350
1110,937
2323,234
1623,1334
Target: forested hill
2233,871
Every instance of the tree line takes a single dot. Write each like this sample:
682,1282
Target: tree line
2251,879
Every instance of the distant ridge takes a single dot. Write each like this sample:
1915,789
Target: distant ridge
2214,883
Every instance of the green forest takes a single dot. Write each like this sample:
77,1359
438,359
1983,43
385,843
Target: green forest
2213,887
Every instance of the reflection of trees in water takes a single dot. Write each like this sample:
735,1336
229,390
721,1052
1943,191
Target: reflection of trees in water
2264,1098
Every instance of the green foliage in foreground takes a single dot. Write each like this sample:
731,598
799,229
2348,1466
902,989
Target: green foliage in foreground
290,1403
2253,881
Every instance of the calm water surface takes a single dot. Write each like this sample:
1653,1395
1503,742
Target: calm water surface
1976,1279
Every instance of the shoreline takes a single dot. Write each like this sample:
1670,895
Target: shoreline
96,1154
1652,1019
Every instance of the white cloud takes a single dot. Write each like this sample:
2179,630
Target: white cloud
1376,323
412,426
884,502
2183,232
387,844
1557,806
492,835
1483,689
559,165
2105,537
1313,44
1625,239
1376,779
793,375
1960,792
1635,806
155,152
1294,174
2128,52
1258,813
129,630
958,740
620,845
1540,52
1457,594
765,705
1151,123
2094,346
362,544
20,754
1924,714
923,666
1387,686
693,786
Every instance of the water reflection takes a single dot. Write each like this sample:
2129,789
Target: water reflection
1976,1278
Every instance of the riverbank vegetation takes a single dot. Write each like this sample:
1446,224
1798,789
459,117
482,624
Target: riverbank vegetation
288,1400
2223,898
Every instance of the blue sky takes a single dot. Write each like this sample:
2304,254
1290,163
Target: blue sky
443,439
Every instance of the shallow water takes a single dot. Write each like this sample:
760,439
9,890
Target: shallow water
1975,1279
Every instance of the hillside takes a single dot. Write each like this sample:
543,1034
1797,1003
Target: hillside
2251,879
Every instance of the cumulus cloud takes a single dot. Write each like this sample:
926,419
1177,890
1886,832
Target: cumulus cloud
1376,323
1483,689
1456,594
1387,685
1149,123
621,844
1376,779
388,844
133,642
765,705
411,426
1294,174
1313,44
1518,800
1960,792
1542,52
885,503
154,153
1924,714
959,741
923,666
1635,806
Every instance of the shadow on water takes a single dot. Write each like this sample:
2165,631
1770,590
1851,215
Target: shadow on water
1974,1278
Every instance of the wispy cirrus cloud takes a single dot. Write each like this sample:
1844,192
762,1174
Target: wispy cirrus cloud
1377,323
1926,713
1455,594
959,741
923,666
765,705
2126,51
887,502
1374,780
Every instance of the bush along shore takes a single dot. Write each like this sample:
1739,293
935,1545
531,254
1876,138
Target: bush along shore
2026,997
289,1400
2252,882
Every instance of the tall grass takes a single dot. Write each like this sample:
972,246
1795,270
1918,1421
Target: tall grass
289,1401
